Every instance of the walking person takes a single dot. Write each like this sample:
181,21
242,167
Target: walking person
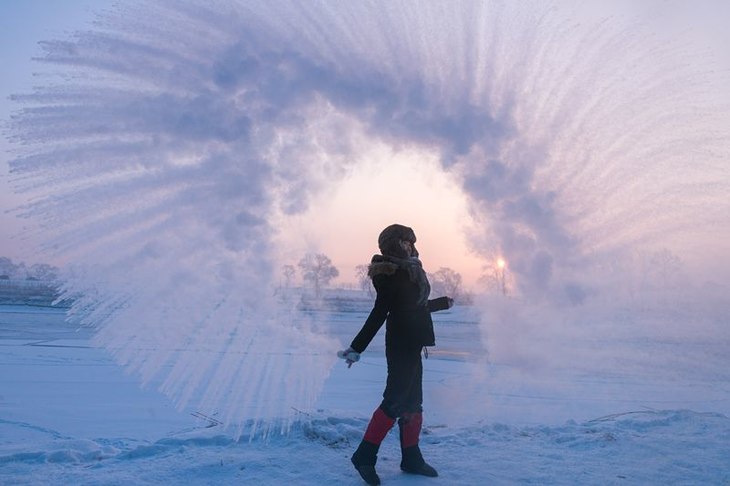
402,303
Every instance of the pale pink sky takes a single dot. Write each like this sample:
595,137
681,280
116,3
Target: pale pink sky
406,187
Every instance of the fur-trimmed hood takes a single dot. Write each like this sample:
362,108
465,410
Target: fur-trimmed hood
388,265
379,265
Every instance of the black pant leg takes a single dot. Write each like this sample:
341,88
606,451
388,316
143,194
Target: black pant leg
404,389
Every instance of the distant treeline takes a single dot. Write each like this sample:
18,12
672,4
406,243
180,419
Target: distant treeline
20,271
22,284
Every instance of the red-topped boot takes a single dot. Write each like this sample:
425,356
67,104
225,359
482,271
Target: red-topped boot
413,462
366,455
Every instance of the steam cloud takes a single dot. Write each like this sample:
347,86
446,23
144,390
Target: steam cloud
178,132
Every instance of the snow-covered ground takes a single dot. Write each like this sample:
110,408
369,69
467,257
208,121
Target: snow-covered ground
69,415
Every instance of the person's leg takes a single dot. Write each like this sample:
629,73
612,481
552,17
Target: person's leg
410,424
366,455
401,369
403,386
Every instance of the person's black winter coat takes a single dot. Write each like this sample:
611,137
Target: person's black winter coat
408,325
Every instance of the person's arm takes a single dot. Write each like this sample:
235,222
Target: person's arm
442,303
377,316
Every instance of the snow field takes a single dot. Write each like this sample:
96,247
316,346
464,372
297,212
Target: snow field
69,415
663,447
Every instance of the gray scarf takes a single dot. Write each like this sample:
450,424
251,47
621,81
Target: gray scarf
416,274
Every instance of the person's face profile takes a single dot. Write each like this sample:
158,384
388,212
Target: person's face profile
407,247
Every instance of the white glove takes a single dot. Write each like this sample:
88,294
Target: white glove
349,355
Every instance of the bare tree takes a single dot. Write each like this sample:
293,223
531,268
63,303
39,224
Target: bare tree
8,269
288,272
495,276
363,279
447,282
666,270
318,270
43,272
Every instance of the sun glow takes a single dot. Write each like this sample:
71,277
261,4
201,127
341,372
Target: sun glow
405,186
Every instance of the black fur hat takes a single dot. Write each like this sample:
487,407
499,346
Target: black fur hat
390,237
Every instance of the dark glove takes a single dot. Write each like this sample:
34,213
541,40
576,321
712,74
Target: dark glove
442,303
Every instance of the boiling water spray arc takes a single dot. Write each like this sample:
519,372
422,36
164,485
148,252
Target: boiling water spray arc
158,160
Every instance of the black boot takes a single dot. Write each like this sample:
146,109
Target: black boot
413,463
364,460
